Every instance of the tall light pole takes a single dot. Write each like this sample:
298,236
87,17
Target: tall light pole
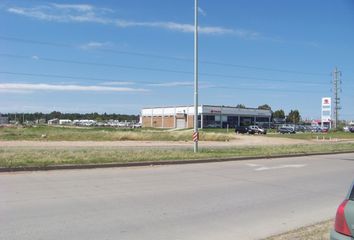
195,134
336,90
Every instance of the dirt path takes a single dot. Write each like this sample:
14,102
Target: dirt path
241,140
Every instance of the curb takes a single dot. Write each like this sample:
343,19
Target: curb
154,163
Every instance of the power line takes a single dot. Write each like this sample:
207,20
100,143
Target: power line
107,80
109,50
266,89
54,76
152,69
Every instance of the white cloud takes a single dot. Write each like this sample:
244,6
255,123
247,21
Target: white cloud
35,57
77,7
82,13
63,13
60,87
116,83
172,84
188,28
95,45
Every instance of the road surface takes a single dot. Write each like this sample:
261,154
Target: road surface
230,200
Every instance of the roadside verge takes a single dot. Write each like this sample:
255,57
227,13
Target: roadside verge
157,163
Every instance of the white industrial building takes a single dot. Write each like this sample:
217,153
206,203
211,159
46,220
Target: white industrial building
208,116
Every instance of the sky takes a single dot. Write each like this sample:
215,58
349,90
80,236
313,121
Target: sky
121,56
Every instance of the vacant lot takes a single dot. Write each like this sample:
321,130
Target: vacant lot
44,156
50,133
315,136
46,145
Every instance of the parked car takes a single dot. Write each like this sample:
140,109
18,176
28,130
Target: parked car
351,129
324,129
284,130
346,129
344,223
136,125
242,129
257,130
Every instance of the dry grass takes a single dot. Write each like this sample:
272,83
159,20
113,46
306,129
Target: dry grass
37,156
49,133
319,231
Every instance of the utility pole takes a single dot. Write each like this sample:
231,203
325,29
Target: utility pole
195,133
336,90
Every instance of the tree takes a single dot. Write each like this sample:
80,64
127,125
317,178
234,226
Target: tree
240,106
293,117
279,114
55,114
265,107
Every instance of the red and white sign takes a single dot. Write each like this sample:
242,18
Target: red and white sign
195,136
326,113
326,101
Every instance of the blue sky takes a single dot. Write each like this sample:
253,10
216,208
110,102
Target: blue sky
121,56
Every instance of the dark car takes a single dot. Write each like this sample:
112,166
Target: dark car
243,130
284,130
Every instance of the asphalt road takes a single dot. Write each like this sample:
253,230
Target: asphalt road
230,200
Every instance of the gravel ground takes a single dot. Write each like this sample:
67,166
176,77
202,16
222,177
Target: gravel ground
319,231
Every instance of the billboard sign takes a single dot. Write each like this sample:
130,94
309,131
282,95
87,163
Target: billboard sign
326,111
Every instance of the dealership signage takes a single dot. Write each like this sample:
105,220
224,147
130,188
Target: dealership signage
326,110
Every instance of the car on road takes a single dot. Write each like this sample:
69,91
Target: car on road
242,129
284,130
257,130
344,223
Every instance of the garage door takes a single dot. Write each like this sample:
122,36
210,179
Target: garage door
181,123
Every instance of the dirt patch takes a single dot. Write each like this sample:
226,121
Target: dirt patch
319,231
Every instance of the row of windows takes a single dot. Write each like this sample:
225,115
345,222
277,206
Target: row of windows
231,121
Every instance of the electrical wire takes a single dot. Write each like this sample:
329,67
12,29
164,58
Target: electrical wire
7,38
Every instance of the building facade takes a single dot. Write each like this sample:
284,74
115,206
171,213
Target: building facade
208,116
3,119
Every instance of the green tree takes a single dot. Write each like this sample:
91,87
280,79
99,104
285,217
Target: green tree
293,117
265,107
279,114
240,106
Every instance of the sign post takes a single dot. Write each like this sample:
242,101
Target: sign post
195,77
326,111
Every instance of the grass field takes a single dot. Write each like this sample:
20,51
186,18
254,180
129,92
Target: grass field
37,156
310,136
50,133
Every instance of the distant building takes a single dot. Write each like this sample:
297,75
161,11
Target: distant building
54,121
65,122
3,119
84,122
208,116
40,121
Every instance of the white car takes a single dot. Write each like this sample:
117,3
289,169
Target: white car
137,125
256,129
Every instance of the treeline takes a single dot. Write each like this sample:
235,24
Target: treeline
21,117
